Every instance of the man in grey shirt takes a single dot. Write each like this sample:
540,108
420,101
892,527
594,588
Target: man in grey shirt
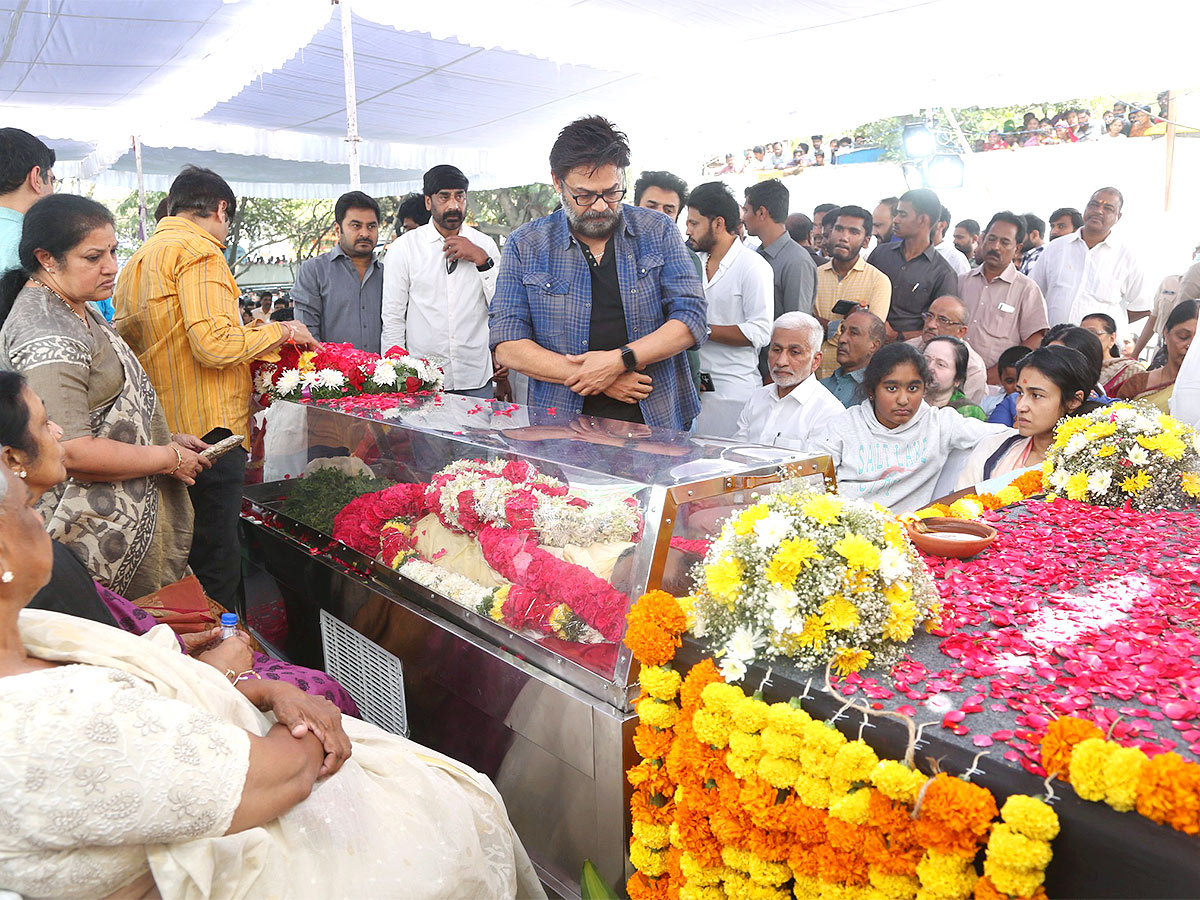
339,294
794,273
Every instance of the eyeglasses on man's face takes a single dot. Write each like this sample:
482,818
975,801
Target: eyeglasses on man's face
941,320
587,199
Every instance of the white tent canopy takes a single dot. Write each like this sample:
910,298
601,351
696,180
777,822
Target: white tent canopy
486,86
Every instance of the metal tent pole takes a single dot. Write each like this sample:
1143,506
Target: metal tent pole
352,137
1172,96
141,183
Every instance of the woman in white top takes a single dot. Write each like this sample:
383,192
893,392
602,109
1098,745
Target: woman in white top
892,447
1052,383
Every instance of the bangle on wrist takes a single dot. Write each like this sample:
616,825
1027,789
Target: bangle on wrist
178,458
291,332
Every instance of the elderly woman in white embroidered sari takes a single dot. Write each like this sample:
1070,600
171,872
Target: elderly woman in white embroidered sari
129,770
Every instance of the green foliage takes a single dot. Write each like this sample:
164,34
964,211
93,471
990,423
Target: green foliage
506,208
592,886
319,496
305,225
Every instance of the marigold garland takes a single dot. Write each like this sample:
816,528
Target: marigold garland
737,798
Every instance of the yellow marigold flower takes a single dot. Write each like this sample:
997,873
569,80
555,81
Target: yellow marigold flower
1015,882
839,613
854,762
736,858
651,863
496,613
1106,451
756,891
305,362
1068,428
1015,851
893,532
814,633
660,683
927,512
816,762
1101,430
742,767
719,697
1077,486
779,771
858,552
656,713
897,781
712,728
1088,761
822,508
946,875
743,744
744,523
787,719
724,577
765,872
854,807
822,739
1121,774
793,556
780,743
749,714
1030,816
897,592
1190,482
698,874
655,837
893,887
1009,495
694,891
1170,424
851,659
1136,483
812,792
966,508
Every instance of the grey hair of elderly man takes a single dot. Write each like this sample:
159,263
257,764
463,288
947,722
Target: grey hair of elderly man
786,369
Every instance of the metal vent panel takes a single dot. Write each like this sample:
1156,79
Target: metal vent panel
373,676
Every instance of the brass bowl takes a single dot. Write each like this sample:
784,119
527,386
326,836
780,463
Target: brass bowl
948,537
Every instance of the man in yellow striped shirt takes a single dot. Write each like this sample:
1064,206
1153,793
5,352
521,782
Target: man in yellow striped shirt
847,276
176,306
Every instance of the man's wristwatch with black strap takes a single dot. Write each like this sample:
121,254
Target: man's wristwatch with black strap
487,265
628,358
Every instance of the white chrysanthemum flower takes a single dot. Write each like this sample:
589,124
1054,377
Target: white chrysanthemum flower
1058,478
782,621
309,379
733,670
743,643
262,381
1076,443
331,378
1100,481
771,529
1138,456
781,598
288,381
1141,424
385,373
894,564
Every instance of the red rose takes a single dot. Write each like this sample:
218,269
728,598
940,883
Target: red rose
396,352
412,384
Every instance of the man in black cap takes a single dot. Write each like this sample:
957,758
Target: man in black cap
438,284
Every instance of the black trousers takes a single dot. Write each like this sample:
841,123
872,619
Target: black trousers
216,555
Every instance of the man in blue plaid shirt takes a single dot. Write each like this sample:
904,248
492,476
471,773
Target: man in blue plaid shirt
598,301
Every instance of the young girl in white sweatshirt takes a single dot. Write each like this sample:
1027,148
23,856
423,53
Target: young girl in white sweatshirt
892,446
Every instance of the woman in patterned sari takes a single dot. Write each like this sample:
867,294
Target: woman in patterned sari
124,509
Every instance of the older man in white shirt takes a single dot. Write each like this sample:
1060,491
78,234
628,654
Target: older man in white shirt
739,289
795,405
1090,271
438,283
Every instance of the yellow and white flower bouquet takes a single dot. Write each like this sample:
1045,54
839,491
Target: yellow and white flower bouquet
812,578
1126,452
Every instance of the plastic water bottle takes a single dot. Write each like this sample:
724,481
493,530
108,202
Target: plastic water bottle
228,625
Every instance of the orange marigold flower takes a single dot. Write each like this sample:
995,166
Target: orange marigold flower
652,743
841,866
642,888
1030,483
809,825
843,835
651,776
985,890
804,861
642,809
769,844
959,805
989,501
729,826
655,624
698,678
1169,792
1062,736
934,835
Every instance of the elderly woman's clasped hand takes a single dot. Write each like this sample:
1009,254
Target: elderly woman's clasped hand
301,714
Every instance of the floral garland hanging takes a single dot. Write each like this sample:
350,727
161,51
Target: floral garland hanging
340,370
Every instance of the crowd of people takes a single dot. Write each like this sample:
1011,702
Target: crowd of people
919,356
786,156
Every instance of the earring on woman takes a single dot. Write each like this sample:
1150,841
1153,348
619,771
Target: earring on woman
22,474
7,577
